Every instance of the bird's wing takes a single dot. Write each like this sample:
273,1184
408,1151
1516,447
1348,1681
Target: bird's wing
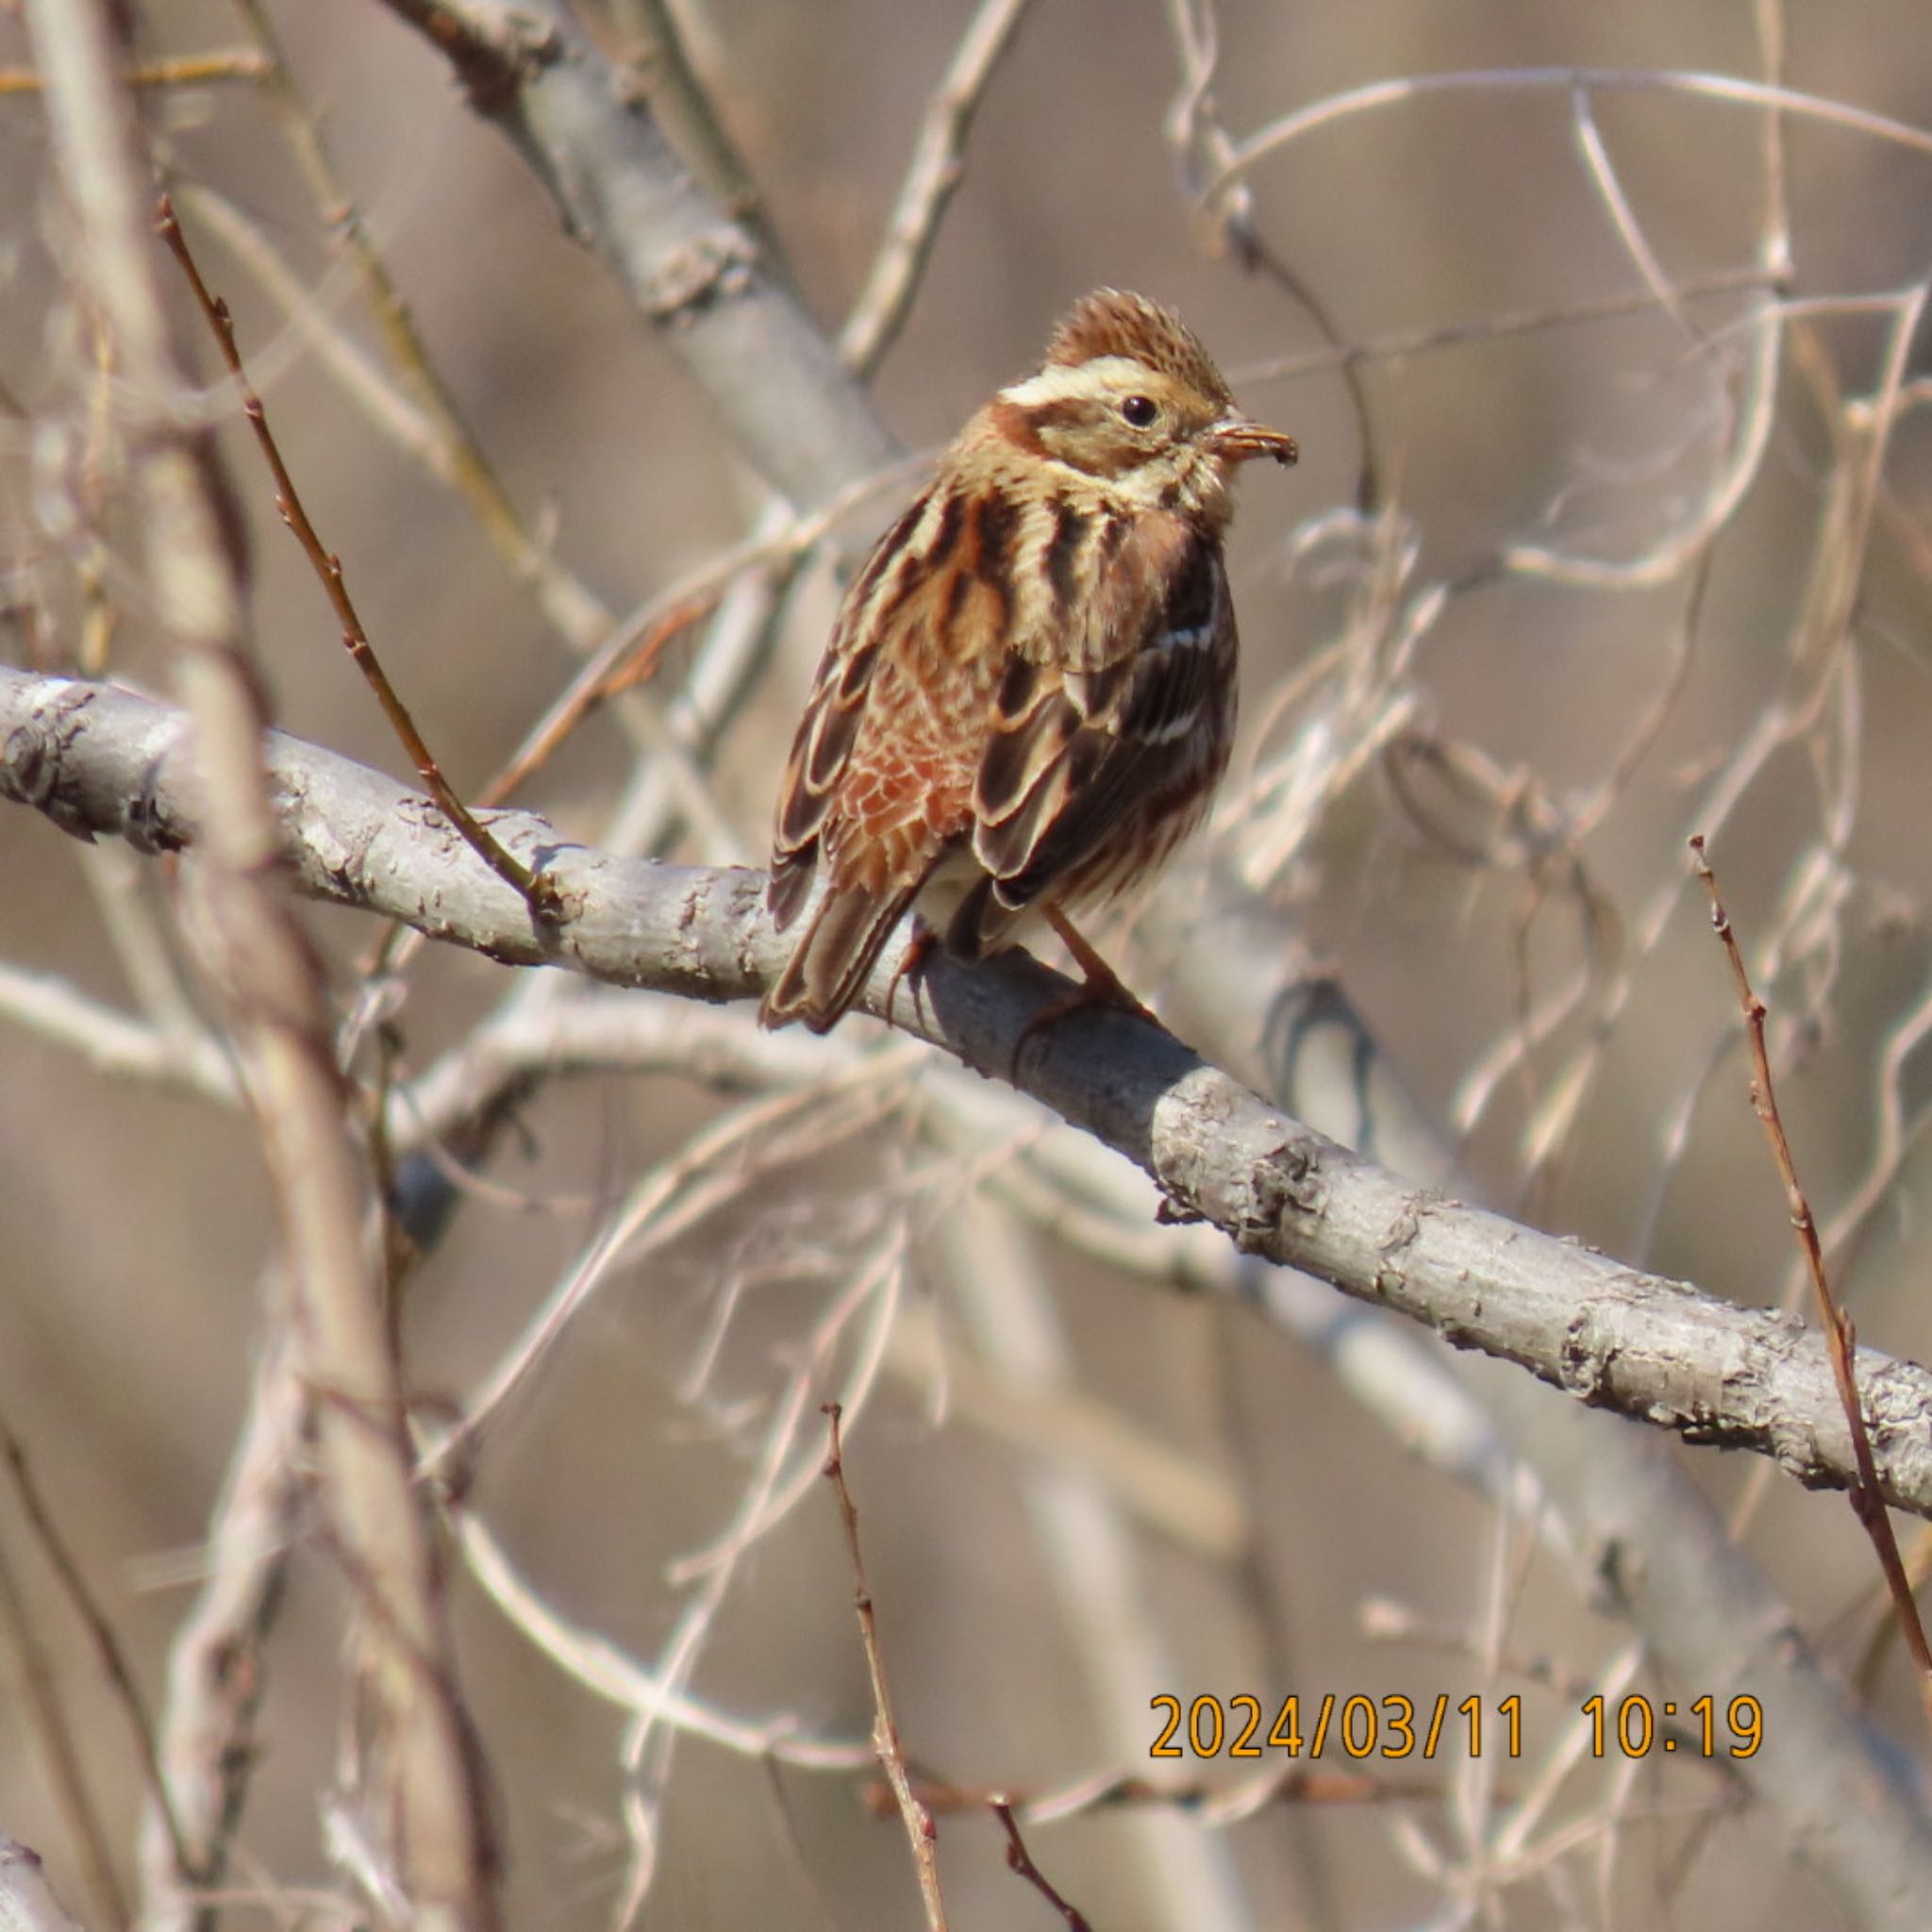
1075,753
878,788
828,733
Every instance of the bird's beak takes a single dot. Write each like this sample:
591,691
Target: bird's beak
1236,440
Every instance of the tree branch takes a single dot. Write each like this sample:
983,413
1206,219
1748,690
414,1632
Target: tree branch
98,760
428,1787
697,275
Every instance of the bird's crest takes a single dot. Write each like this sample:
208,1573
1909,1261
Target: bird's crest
1113,322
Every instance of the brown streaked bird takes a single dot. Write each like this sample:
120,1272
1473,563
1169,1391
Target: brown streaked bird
1028,698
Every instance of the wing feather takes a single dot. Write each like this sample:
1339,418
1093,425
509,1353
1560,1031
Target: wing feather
1072,753
834,958
865,801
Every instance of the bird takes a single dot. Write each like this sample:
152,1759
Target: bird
1027,699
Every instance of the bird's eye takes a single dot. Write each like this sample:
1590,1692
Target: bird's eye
1139,410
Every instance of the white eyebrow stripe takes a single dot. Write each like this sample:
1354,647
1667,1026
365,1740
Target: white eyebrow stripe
1059,380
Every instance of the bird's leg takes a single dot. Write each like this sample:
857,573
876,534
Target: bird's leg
918,949
1100,986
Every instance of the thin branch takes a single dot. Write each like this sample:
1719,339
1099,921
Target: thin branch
109,1040
920,1833
631,652
938,167
1835,1320
217,1671
34,1676
1215,1802
1603,175
679,739
620,1679
450,445
1019,1859
1753,416
1077,1493
107,1650
784,1471
662,1203
182,70
1733,89
1400,345
1202,148
134,917
328,571
1774,238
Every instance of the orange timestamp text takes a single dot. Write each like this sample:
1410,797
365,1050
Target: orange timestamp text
1396,1727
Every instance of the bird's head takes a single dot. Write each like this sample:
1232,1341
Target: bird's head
1129,398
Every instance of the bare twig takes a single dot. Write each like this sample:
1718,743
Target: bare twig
620,1679
1214,1802
133,915
681,739
182,70
780,1478
626,658
1078,1504
328,570
217,1668
938,167
631,653
1624,217
1816,647
1399,345
452,446
634,661
1019,1859
109,1040
1202,148
107,1650
1733,89
1891,1143
920,1833
663,1203
35,1674
1867,1501
1774,234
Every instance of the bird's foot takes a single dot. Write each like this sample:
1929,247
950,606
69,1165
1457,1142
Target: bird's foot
918,949
1100,986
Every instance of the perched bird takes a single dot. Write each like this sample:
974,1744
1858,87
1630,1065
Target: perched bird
1028,698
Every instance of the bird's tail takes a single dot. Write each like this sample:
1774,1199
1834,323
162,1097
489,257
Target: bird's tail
834,958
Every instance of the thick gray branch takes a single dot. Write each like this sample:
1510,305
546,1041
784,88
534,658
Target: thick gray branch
98,760
697,274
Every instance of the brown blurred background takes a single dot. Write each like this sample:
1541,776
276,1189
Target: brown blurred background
1506,853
